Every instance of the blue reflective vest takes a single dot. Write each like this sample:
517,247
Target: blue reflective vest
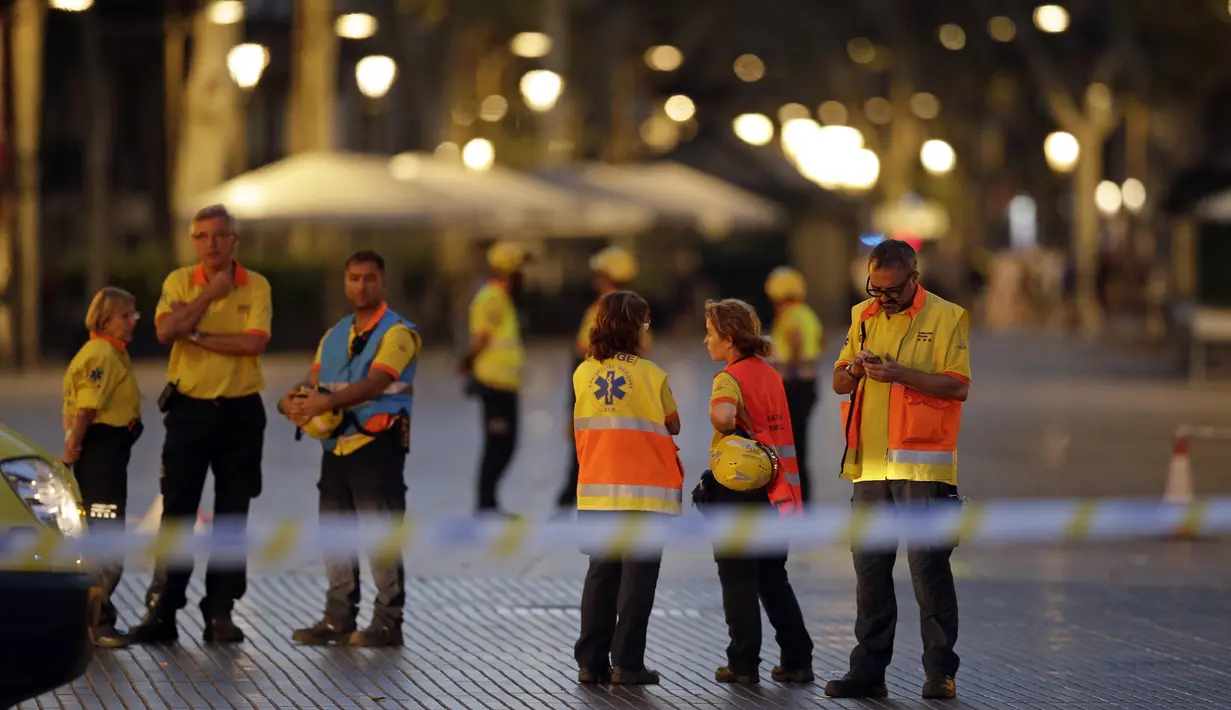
339,369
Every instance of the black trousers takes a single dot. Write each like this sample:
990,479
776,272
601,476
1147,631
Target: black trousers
500,415
368,481
876,615
102,475
800,401
615,612
567,497
228,436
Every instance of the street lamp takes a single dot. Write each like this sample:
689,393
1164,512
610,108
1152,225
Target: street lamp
663,57
1134,193
479,154
374,74
541,89
937,157
355,25
1107,198
72,5
1062,151
1051,18
754,128
679,108
863,170
225,12
246,62
531,45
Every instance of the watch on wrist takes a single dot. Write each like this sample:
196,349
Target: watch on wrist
850,372
196,337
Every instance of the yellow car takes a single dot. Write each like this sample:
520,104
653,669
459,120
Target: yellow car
46,605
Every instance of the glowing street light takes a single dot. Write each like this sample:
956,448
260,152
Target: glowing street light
530,45
1107,198
1051,18
937,157
1062,151
1134,194
225,12
679,108
246,62
72,5
862,170
355,25
664,57
375,74
541,89
754,128
749,68
479,154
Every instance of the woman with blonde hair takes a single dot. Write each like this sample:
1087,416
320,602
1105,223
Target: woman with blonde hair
623,423
748,400
102,421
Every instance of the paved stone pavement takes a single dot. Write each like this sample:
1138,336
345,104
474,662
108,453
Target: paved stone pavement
1140,625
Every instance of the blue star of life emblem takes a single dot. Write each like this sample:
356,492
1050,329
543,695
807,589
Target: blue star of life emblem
610,387
96,374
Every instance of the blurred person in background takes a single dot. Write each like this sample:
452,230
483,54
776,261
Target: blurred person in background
217,315
906,361
364,372
623,421
799,339
102,421
614,268
748,400
493,366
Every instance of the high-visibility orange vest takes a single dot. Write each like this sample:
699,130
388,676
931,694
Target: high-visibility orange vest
766,418
627,458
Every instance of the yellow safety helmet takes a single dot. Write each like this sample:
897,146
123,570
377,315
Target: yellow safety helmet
506,257
616,263
785,283
321,426
741,464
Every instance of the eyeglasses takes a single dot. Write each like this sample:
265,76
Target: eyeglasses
892,291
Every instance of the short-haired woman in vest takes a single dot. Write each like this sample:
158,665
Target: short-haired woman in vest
102,421
623,421
748,397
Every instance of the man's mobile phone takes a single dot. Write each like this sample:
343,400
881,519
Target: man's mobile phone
873,360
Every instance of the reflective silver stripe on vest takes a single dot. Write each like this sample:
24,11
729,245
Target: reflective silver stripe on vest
626,492
930,458
620,423
393,388
791,478
785,452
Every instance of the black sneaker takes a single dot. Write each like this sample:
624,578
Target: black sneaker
625,676
323,633
939,687
726,675
158,627
594,675
220,628
376,636
792,675
851,687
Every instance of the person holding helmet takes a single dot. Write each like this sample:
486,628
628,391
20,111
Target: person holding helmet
614,268
623,421
493,365
798,342
752,463
357,401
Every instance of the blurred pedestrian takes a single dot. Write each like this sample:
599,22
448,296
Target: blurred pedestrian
102,421
623,421
614,268
217,316
748,400
906,361
357,400
493,366
799,339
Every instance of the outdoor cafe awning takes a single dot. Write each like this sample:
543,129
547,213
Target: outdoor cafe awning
413,190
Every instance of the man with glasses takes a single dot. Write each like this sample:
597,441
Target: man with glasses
906,365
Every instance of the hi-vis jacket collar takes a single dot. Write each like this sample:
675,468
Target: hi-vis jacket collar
921,297
380,313
115,342
199,278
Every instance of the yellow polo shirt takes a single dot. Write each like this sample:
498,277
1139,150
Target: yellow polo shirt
248,308
886,334
725,389
492,313
791,319
397,348
101,377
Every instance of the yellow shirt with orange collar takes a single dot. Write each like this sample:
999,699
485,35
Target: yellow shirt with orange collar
100,377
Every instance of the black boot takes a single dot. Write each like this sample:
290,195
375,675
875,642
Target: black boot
939,687
849,686
323,633
377,635
792,675
726,675
157,627
220,628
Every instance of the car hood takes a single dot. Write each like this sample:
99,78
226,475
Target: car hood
16,446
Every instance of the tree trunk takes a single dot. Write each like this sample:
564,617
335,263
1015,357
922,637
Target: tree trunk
98,156
27,53
1086,227
208,121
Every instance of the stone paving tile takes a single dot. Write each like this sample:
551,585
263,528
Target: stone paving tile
507,643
